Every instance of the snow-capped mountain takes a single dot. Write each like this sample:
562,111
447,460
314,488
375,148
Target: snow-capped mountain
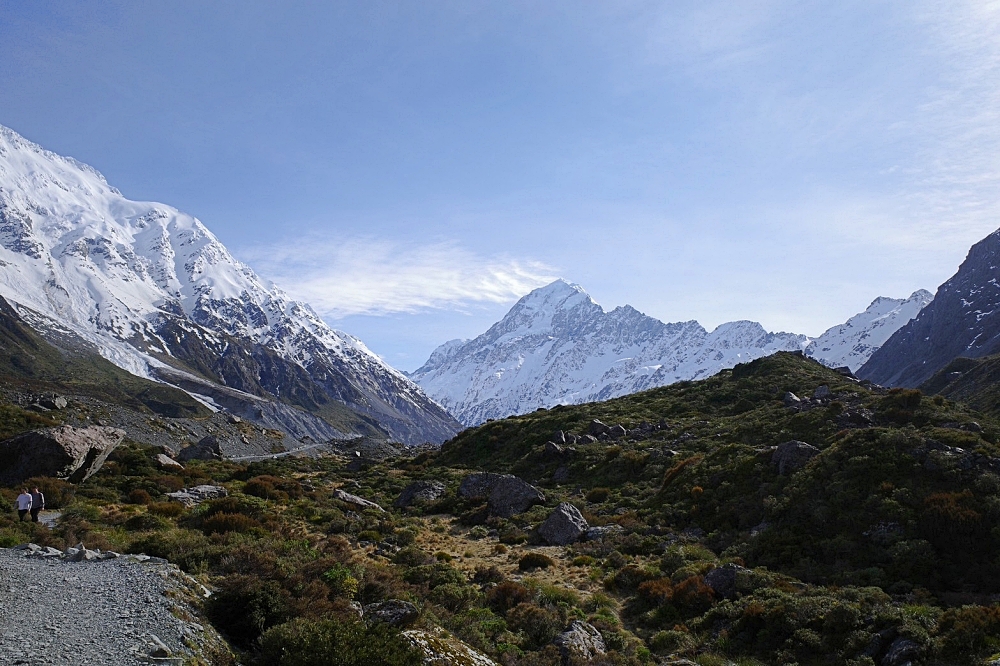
852,343
963,321
557,346
160,296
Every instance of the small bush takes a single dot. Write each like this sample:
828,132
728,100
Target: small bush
167,509
507,595
334,643
244,607
598,495
139,496
147,521
535,561
228,522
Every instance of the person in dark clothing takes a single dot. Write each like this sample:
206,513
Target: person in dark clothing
37,503
23,504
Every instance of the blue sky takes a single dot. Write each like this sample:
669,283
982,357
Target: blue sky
411,168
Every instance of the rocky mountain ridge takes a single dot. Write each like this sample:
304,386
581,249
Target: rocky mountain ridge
962,321
557,346
156,293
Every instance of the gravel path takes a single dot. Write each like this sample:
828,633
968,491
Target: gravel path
106,612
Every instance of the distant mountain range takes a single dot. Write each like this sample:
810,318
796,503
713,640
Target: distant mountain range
152,290
557,346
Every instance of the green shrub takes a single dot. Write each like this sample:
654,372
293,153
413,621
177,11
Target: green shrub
334,643
535,561
229,522
244,607
146,522
507,595
598,495
167,509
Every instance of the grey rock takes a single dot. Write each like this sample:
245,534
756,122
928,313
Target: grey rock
581,640
207,448
443,649
166,462
586,439
394,612
506,494
197,494
722,580
822,392
419,492
793,455
617,431
478,486
511,496
57,402
559,437
64,452
553,450
355,500
791,399
597,428
602,532
902,651
561,475
565,525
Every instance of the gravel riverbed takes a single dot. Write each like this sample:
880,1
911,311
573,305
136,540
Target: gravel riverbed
115,612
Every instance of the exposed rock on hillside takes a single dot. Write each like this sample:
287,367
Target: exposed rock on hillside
64,452
565,525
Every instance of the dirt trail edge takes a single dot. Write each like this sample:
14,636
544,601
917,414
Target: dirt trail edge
115,612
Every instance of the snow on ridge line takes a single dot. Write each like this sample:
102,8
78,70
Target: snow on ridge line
115,271
576,351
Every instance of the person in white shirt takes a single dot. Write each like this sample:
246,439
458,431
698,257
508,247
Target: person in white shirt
23,504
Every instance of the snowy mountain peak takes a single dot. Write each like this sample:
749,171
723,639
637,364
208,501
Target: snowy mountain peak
557,346
141,281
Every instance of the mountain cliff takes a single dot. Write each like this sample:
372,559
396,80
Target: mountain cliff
157,294
557,346
962,321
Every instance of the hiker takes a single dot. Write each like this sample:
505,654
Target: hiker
37,503
23,504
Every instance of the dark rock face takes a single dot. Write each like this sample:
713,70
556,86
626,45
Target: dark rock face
419,492
565,525
962,320
65,452
506,494
793,455
722,580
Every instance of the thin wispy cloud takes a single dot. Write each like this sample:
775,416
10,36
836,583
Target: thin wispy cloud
364,276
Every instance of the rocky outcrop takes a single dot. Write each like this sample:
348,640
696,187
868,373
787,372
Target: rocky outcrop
505,494
722,580
793,455
166,462
580,641
443,649
74,454
419,492
394,612
359,502
565,525
198,494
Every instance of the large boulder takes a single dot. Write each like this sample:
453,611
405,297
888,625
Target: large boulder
207,448
419,492
565,525
793,455
506,495
581,640
65,452
443,649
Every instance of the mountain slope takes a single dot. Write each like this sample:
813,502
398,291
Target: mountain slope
852,343
962,320
153,289
557,346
